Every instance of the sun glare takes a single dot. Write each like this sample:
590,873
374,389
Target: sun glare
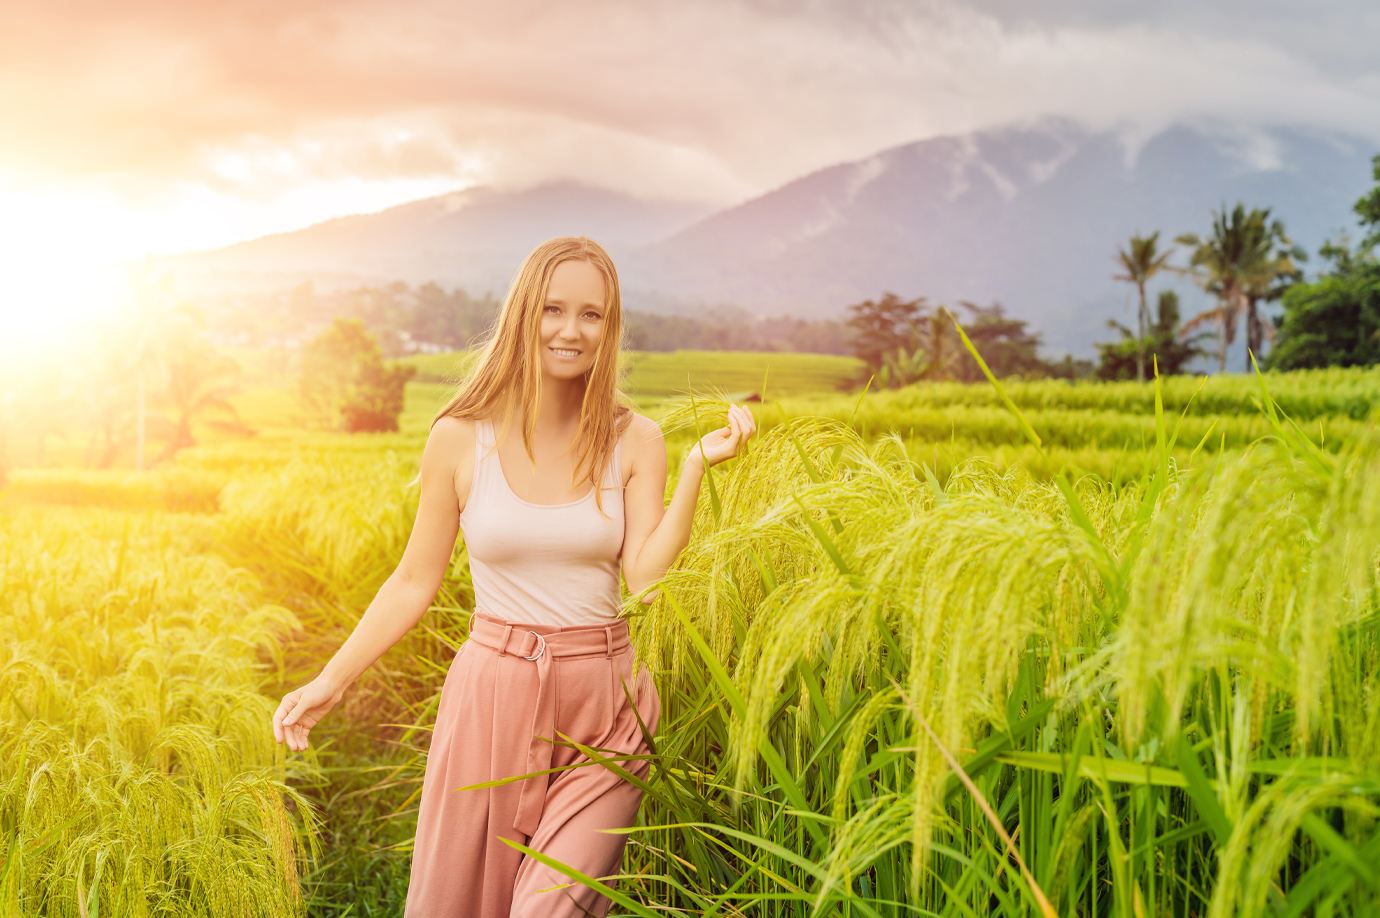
69,258
61,262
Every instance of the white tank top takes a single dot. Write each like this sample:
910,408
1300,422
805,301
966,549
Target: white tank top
546,564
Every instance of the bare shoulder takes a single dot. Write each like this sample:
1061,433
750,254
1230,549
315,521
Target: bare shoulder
449,439
449,456
643,435
644,448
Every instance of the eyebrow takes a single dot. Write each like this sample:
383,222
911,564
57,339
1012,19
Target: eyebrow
555,301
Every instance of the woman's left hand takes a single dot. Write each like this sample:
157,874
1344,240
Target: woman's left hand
724,443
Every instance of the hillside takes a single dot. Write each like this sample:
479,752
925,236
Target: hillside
472,239
1029,216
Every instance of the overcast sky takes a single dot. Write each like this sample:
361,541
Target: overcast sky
206,122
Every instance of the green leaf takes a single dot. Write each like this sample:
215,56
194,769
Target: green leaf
940,498
1294,438
830,548
1006,399
1098,769
998,743
775,764
611,891
1328,839
1202,791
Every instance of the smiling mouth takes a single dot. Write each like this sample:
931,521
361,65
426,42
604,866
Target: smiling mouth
564,352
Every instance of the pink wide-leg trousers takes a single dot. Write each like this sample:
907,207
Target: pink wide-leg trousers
498,712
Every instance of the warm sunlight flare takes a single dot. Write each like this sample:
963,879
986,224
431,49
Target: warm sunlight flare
864,458
68,255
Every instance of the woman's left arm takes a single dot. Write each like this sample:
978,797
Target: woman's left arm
656,533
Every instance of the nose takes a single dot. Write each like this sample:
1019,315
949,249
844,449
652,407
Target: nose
569,331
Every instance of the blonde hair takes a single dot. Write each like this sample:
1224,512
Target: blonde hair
509,369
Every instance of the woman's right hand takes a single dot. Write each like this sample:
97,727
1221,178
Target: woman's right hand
301,710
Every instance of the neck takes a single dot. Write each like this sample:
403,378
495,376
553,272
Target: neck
561,400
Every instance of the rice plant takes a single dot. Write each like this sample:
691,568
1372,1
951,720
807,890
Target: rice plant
1166,693
135,774
1151,646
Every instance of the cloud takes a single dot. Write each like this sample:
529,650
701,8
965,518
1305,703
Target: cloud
716,99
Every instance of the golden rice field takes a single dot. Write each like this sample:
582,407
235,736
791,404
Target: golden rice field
1150,640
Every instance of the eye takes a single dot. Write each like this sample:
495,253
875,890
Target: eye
553,310
593,315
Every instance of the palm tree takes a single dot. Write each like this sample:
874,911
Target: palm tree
1139,263
191,377
901,368
1273,268
1247,259
1217,264
199,382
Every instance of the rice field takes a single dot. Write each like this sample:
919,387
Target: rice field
1053,649
659,375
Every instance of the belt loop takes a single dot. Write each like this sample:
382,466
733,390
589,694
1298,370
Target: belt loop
503,644
608,641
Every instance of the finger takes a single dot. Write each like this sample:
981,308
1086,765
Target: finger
749,426
299,710
735,432
750,420
284,709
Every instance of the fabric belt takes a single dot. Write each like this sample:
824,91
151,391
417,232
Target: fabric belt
541,644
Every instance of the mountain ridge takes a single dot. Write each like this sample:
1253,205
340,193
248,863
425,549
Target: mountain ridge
1030,216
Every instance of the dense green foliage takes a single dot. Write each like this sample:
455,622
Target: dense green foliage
734,330
406,318
345,382
1368,208
901,342
1161,344
398,314
1162,676
1334,320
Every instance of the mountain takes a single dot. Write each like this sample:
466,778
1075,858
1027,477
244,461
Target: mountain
1030,217
473,239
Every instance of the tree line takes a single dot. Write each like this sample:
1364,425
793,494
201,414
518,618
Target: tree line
1245,260
407,319
157,377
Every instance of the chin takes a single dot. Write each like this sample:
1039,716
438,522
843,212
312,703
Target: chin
566,371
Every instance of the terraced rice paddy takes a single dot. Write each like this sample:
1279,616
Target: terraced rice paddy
1152,645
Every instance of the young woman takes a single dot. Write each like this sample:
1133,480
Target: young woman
555,482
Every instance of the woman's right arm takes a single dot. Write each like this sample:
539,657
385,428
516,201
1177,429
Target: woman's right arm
447,467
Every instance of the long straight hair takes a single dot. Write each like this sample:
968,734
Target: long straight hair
508,374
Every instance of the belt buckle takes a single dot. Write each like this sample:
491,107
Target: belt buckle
540,650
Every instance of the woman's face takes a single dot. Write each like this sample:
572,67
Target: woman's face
572,320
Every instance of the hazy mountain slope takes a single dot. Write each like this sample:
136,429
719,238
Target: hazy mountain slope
473,239
1028,216
1031,217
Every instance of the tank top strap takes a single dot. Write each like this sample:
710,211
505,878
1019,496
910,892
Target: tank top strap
485,435
484,455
